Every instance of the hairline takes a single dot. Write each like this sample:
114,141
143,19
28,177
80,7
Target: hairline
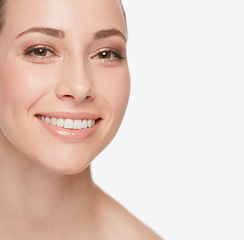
3,12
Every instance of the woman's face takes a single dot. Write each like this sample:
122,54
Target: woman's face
62,61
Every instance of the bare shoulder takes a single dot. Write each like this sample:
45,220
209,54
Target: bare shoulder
115,222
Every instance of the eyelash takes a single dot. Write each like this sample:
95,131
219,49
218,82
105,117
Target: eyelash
29,53
116,55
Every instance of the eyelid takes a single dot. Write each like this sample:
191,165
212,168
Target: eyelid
29,54
112,50
34,47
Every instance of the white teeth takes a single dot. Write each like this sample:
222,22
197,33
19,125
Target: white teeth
47,120
89,123
60,122
84,123
54,121
77,124
68,123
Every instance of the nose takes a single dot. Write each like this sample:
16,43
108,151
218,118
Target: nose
74,83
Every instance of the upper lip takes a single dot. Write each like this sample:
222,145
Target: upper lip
69,115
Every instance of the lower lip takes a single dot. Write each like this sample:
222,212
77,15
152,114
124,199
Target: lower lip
69,135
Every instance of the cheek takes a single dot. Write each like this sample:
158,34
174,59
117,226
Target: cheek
20,86
114,86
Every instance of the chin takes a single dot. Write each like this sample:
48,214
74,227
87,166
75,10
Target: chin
64,165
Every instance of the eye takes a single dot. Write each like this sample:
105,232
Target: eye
108,55
39,53
42,52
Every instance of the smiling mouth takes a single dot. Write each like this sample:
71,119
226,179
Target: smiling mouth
73,124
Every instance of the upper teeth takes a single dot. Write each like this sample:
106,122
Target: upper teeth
68,123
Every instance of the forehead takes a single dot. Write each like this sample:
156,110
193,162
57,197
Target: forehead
71,15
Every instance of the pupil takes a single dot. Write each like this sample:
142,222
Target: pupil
105,55
40,52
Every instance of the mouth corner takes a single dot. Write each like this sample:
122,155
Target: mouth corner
38,116
98,120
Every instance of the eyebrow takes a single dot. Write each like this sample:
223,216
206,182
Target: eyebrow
53,32
48,31
106,33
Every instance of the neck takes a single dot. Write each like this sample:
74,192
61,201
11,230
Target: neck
35,201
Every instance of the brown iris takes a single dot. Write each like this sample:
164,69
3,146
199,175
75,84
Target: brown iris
104,55
40,52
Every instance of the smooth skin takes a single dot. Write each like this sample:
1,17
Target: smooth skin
46,190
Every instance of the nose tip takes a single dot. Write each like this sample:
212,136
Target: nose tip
77,86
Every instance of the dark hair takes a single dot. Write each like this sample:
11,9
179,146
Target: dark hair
2,11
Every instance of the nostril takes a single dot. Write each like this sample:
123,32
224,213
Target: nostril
68,96
89,98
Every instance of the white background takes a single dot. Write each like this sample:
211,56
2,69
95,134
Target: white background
177,161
